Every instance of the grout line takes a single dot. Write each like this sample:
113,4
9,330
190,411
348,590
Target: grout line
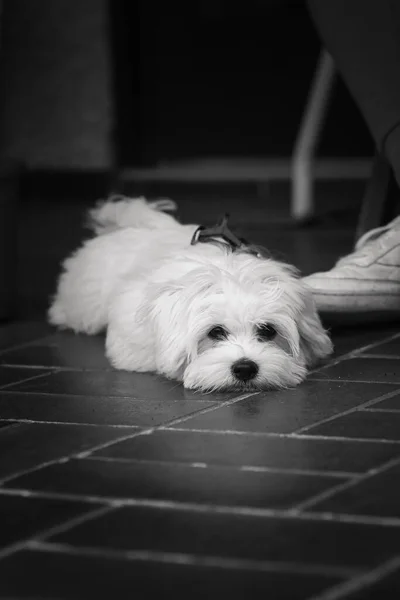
345,380
70,523
341,487
289,471
32,422
199,400
381,410
7,386
348,412
197,560
204,399
295,436
178,420
145,431
12,548
246,468
338,438
357,351
33,469
235,511
347,518
42,494
61,527
257,434
380,356
225,432
384,340
22,345
354,353
17,366
360,582
239,432
60,368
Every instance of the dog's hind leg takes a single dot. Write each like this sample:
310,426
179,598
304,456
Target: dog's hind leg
87,283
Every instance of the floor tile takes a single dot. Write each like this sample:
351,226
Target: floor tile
273,452
363,369
179,483
97,410
288,410
236,536
362,424
24,517
11,375
391,348
392,403
139,386
26,446
65,577
350,338
386,588
22,332
378,495
63,349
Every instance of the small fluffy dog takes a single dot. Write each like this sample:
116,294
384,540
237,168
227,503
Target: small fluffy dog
205,314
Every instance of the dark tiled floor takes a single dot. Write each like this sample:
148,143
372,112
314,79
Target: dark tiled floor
9,376
117,485
364,424
382,370
63,573
110,481
23,446
290,410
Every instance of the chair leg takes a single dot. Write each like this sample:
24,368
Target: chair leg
380,198
302,202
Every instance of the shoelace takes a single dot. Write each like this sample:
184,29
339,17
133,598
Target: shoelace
363,246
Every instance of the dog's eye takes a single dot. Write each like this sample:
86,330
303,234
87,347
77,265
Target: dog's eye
266,332
218,333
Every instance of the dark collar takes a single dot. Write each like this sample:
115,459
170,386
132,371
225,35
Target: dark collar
221,235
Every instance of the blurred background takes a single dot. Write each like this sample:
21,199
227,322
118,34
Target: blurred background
201,101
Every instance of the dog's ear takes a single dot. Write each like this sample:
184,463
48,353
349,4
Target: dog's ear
281,284
178,314
170,322
148,330
153,325
315,342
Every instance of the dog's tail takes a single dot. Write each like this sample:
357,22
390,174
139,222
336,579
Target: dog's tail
121,212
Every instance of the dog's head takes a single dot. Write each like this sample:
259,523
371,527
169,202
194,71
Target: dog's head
239,323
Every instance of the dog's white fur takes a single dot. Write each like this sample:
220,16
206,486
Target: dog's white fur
158,297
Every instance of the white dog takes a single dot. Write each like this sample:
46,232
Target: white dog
207,315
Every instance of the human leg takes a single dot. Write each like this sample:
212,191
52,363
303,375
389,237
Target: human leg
363,37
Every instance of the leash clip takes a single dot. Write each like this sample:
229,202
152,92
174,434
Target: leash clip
220,234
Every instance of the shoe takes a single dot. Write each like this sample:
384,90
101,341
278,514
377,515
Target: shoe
365,281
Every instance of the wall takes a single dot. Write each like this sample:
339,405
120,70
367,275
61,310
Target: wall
55,83
221,79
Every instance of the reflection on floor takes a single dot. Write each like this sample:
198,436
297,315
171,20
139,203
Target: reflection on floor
117,485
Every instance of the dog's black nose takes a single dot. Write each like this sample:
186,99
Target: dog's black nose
244,369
